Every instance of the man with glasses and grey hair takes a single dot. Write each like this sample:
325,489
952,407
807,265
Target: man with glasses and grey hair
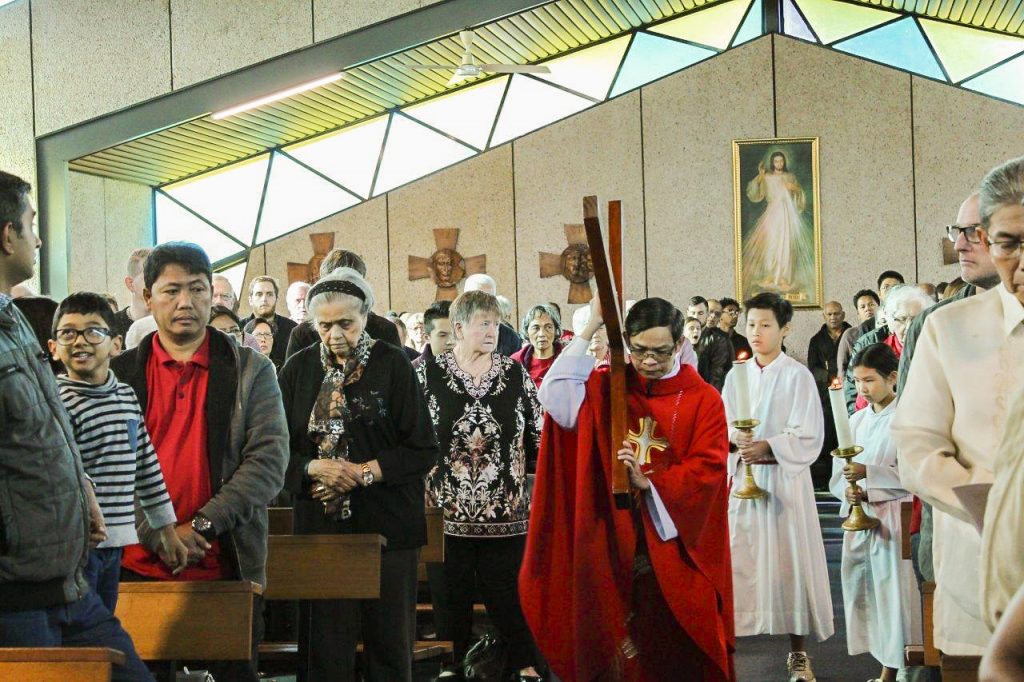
968,362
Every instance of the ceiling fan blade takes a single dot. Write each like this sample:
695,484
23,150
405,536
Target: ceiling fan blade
515,68
430,67
457,78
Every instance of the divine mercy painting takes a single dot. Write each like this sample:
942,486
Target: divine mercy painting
777,228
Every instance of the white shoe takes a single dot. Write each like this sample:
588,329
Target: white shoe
799,667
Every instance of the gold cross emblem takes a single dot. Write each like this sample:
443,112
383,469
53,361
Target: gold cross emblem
644,441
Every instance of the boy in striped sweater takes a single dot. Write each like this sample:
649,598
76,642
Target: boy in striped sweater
111,433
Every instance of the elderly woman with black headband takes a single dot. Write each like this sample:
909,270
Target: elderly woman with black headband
361,442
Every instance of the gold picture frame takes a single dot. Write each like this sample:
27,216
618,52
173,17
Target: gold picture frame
777,221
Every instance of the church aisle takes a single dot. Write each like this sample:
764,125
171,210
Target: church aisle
763,659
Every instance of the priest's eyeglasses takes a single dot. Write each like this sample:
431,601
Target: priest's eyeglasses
94,335
970,232
658,354
1005,248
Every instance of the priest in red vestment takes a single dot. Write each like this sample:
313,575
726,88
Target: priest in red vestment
642,593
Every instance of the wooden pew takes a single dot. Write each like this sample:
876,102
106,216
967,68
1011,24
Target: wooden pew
59,665
186,621
309,566
280,521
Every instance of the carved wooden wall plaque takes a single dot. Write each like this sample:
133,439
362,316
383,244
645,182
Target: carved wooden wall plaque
574,264
446,267
322,243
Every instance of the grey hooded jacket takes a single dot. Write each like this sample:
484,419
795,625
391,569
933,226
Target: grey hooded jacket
44,516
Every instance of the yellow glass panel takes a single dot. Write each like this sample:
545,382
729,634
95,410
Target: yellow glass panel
833,20
1005,82
530,105
412,151
229,197
713,26
589,71
467,113
297,197
349,156
965,51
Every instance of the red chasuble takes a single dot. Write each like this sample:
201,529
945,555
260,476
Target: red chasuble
577,583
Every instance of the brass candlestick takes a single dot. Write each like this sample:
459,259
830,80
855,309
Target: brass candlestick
749,490
857,520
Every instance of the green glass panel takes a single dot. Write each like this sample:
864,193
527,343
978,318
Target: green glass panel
752,27
229,197
966,51
834,21
530,105
349,156
412,151
468,113
297,197
175,223
589,71
898,44
713,26
651,57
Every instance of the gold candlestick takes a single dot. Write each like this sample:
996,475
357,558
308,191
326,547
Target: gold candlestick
749,490
857,520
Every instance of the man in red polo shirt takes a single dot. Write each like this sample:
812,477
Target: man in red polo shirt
215,416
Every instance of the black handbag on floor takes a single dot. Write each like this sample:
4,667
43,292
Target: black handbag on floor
485,660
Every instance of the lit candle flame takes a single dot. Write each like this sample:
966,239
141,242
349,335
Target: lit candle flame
742,356
836,384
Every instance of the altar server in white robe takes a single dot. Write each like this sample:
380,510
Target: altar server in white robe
968,365
780,580
880,592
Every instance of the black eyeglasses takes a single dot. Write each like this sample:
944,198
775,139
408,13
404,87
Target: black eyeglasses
658,354
94,335
970,232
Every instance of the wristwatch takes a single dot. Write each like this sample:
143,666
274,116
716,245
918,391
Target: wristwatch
204,527
367,475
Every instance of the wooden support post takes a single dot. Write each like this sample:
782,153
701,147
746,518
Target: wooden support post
607,291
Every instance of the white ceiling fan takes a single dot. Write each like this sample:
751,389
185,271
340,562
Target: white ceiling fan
470,69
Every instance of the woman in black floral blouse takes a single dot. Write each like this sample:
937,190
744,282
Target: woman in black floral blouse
487,420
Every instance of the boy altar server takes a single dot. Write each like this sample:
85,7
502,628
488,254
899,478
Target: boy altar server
880,595
780,580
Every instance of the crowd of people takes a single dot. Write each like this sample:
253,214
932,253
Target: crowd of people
146,443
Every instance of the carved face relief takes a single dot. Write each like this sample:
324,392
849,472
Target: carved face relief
577,266
447,267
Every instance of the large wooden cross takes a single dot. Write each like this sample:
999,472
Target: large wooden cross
608,274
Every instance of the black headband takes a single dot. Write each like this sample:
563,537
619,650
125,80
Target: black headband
338,286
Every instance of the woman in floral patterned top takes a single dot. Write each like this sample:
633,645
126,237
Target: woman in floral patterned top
487,420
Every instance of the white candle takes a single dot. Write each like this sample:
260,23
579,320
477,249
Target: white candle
841,418
739,372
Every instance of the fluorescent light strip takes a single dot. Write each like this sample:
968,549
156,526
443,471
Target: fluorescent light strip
224,113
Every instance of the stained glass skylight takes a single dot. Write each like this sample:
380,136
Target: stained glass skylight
297,197
468,113
531,104
833,21
714,26
412,150
349,157
176,223
340,169
898,44
964,51
229,198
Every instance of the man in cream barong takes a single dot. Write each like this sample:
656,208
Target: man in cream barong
968,363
